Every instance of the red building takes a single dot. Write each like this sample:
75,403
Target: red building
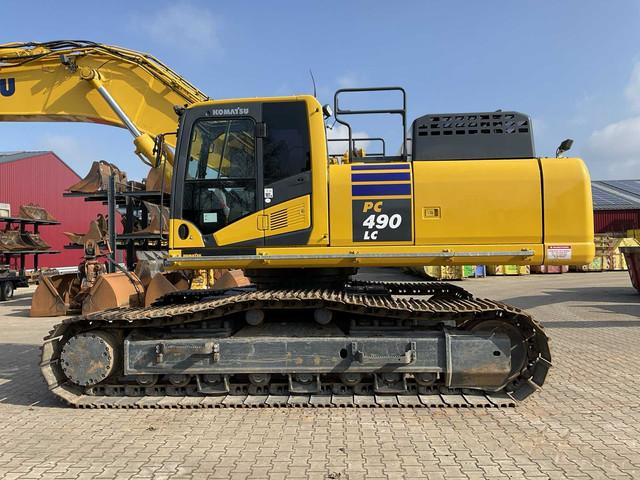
42,178
616,205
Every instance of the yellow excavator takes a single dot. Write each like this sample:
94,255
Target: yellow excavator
254,187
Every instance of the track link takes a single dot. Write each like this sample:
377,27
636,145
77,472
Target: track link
398,300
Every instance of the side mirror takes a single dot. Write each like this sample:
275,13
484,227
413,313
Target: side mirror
565,146
326,111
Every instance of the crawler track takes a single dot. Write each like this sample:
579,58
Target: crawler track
404,303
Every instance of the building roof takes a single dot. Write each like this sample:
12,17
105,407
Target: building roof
616,194
6,157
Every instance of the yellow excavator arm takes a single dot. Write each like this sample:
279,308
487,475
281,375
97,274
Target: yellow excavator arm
80,81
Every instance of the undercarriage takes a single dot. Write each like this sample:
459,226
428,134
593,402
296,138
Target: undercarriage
366,344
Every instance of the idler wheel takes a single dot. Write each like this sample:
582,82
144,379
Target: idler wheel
518,343
88,358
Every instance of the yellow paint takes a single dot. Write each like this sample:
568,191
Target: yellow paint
296,252
194,240
247,228
568,209
268,222
390,170
461,207
319,173
48,90
481,201
319,164
289,216
340,204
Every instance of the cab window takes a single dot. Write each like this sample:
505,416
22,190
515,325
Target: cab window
286,146
222,149
220,181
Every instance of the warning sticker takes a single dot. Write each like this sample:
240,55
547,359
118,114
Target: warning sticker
559,252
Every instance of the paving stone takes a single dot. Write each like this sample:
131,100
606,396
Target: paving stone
584,423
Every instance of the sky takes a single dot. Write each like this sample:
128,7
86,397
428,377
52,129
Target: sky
573,66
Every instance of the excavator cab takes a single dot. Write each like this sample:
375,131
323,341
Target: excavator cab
236,163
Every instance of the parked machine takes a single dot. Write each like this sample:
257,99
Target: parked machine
632,257
253,187
9,281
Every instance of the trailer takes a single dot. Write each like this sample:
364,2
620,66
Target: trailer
9,281
632,256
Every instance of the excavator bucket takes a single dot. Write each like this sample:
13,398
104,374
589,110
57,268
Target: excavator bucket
54,295
163,283
12,240
114,290
154,181
96,232
121,178
35,212
5,242
158,220
97,180
35,241
146,270
231,279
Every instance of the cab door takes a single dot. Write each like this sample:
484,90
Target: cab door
222,178
287,173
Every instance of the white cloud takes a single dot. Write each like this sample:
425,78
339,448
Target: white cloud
183,26
340,131
349,80
614,151
632,92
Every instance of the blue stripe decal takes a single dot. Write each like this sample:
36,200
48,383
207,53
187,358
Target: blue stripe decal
386,166
377,190
380,177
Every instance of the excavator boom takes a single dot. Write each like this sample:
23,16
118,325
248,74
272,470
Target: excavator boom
81,81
